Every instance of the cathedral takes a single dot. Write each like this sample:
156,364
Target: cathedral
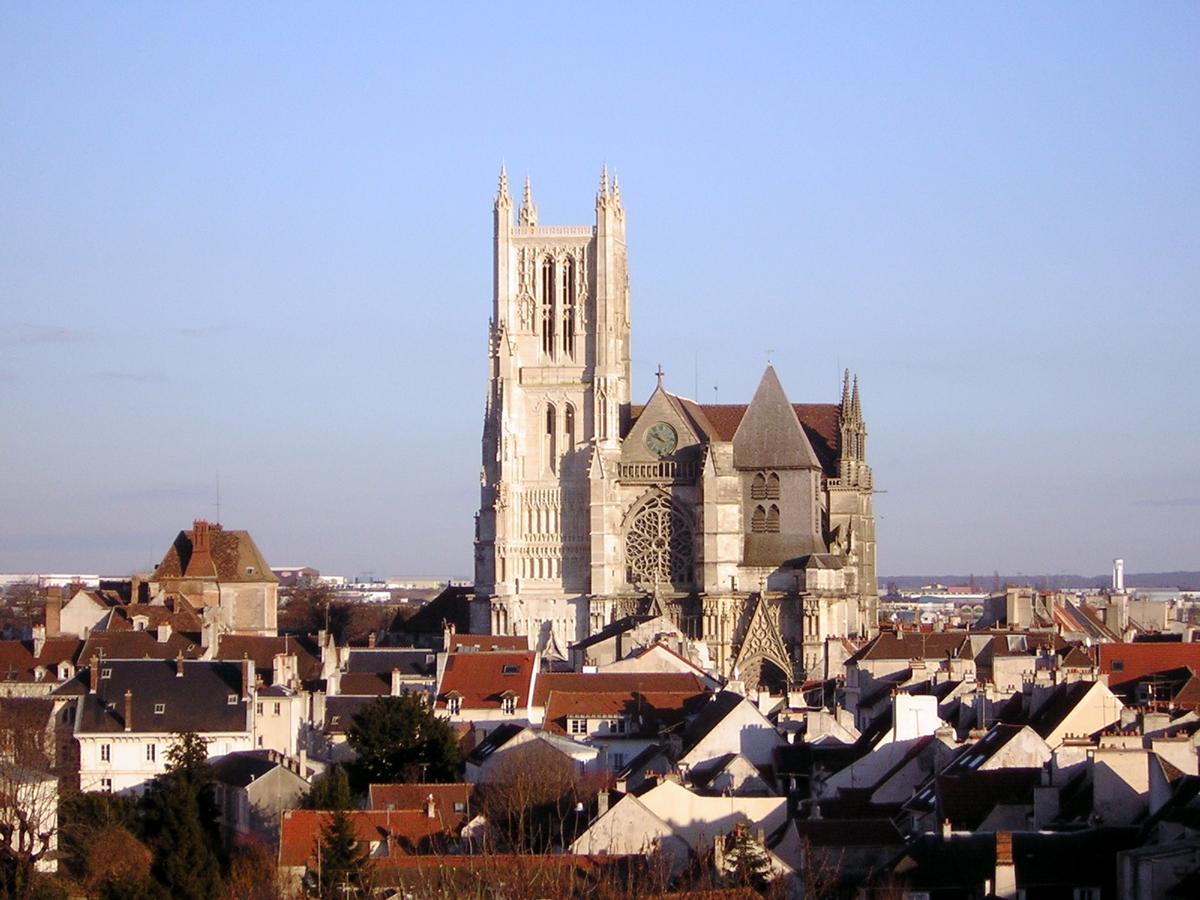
749,526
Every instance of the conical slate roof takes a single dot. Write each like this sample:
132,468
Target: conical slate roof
770,436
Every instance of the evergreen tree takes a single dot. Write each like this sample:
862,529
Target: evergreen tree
746,863
330,791
342,861
179,819
399,739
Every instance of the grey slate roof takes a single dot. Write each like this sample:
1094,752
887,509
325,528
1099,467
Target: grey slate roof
769,435
196,701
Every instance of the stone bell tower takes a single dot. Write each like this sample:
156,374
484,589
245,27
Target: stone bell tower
558,390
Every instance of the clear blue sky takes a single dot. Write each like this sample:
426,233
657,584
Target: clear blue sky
254,240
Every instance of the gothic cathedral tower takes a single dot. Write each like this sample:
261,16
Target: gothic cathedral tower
558,388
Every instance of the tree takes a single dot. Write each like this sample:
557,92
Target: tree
330,790
342,861
532,795
28,793
746,863
179,815
83,818
399,739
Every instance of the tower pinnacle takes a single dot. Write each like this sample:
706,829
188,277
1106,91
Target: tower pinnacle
528,215
502,198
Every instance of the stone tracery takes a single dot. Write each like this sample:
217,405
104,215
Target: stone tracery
658,544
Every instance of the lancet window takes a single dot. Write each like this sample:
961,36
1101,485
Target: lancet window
568,307
548,291
569,428
771,526
758,521
551,435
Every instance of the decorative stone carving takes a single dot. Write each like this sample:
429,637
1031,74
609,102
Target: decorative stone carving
658,545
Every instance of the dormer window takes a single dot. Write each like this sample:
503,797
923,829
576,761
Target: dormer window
454,702
577,725
249,570
232,700
160,708
508,703
106,673
510,670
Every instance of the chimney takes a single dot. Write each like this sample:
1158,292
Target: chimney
39,640
128,710
164,632
395,682
1118,576
303,773
430,807
1005,884
947,829
54,616
200,563
179,665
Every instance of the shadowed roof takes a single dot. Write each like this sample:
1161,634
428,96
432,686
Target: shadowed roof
234,553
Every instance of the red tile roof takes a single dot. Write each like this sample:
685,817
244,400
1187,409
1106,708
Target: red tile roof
17,662
301,830
233,553
416,796
614,683
719,422
263,649
139,645
181,618
649,712
481,678
1131,662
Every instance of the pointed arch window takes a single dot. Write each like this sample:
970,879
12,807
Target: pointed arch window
548,290
569,428
551,434
758,488
771,526
772,487
568,307
758,521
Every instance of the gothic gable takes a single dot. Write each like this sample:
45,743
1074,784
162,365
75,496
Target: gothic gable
662,409
763,643
769,435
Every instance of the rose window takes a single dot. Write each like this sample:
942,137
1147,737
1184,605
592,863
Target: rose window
658,545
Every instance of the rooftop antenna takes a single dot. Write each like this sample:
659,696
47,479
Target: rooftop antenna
218,496
715,394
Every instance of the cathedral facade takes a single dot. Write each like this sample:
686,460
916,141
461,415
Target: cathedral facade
749,525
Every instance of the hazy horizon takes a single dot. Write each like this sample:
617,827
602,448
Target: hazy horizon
252,245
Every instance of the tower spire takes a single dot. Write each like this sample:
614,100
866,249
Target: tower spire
528,214
502,198
603,193
854,404
845,394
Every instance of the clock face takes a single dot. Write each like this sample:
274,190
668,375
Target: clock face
661,439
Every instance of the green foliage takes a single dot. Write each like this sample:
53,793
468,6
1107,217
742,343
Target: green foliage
179,816
746,862
399,739
330,791
342,860
81,817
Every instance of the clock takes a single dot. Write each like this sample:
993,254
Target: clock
661,439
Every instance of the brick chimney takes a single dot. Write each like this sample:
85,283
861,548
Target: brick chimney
53,616
1005,883
128,710
200,563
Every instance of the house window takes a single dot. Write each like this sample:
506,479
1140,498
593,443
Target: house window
618,760
454,704
510,670
106,673
160,708
106,785
577,726
619,726
151,752
278,707
232,701
1118,665
105,752
460,806
509,705
258,708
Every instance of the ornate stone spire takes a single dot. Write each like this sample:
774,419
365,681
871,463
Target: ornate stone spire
502,198
845,394
528,214
616,190
602,196
855,407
